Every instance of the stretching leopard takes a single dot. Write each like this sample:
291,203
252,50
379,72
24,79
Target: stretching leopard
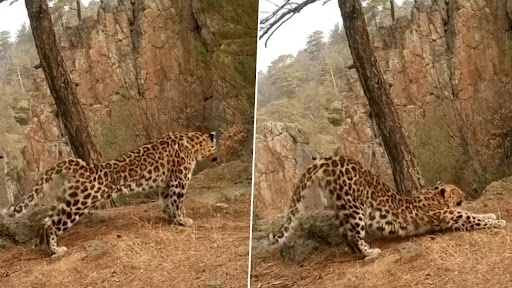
365,204
165,164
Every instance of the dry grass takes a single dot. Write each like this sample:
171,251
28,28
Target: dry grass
478,259
474,259
135,247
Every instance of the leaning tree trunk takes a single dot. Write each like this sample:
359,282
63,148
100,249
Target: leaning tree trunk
392,9
63,90
79,10
376,90
61,86
10,184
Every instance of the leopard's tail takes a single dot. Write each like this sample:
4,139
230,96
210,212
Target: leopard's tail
15,210
296,206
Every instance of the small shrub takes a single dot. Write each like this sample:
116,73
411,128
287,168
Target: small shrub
201,55
439,155
118,134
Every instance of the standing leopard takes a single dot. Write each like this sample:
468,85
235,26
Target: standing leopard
364,204
164,164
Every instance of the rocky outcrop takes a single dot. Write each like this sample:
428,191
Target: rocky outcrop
142,68
453,50
450,64
497,198
129,52
283,153
448,60
356,134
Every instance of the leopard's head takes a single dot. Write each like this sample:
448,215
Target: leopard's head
450,194
208,147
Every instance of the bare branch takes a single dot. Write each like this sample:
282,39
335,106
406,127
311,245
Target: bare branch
278,26
10,4
283,13
350,66
273,3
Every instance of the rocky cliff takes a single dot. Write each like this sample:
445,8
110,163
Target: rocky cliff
144,68
449,70
283,153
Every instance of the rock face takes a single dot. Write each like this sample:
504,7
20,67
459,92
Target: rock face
356,135
283,154
451,51
143,68
448,64
497,198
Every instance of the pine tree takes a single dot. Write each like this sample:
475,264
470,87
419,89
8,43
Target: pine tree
315,45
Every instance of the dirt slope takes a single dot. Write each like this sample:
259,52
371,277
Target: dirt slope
134,246
475,259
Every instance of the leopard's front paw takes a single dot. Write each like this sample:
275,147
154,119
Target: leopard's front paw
500,223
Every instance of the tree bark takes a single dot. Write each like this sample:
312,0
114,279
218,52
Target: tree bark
10,185
406,174
392,4
79,10
22,87
61,86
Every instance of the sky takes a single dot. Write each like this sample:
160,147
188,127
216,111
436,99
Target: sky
11,17
292,36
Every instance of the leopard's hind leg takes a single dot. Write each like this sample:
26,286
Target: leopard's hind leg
343,228
354,227
74,203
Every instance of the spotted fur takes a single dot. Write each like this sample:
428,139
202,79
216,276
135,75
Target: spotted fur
364,204
165,164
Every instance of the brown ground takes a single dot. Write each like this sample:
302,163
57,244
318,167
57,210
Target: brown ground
474,259
134,247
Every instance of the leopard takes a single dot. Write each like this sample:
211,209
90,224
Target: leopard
363,204
164,165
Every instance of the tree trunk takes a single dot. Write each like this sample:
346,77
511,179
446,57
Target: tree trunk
392,4
406,174
10,184
79,10
61,86
20,80
334,86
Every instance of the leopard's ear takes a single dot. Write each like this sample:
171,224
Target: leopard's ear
438,184
442,192
212,136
